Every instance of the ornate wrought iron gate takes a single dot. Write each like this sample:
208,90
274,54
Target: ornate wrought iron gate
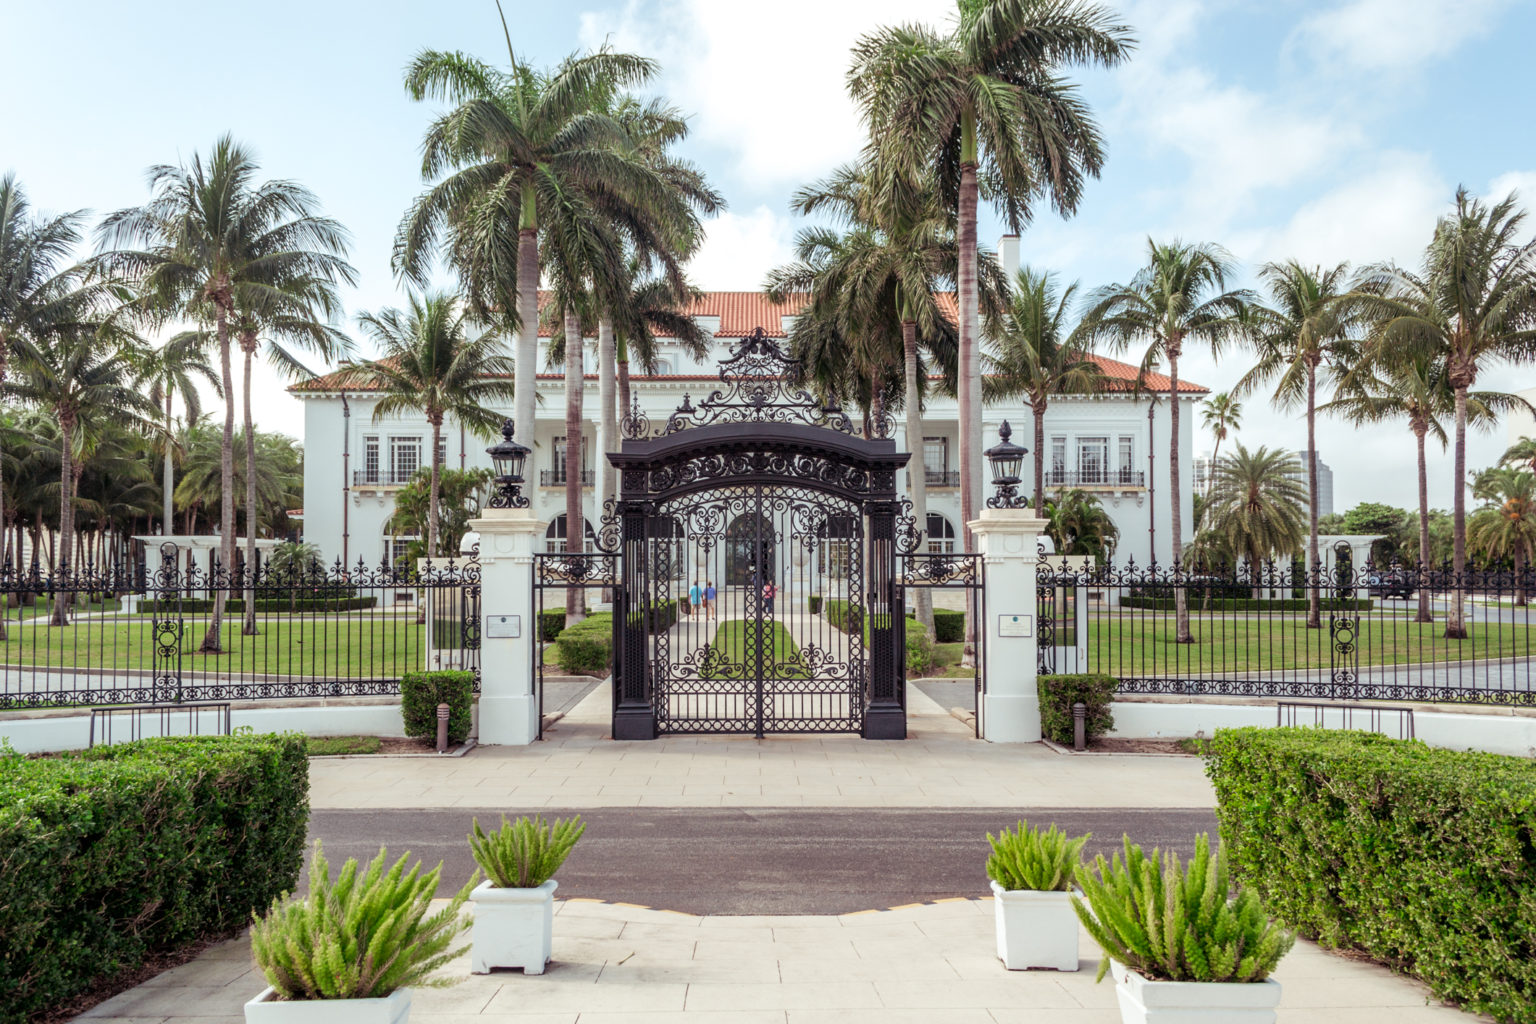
758,537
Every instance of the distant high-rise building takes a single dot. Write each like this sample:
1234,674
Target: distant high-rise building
1202,473
1324,482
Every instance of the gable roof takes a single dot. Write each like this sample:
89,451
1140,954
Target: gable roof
741,312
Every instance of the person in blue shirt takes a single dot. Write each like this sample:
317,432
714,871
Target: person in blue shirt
709,598
695,597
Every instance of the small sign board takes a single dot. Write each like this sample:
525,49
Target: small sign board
1015,625
503,627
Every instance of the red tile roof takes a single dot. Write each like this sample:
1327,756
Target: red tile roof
740,312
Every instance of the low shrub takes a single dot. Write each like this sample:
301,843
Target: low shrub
1422,858
525,853
1247,604
586,649
359,938
120,852
654,616
422,692
844,615
551,622
813,604
1059,693
1035,860
1170,923
948,626
920,651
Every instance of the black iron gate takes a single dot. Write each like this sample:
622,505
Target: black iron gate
758,537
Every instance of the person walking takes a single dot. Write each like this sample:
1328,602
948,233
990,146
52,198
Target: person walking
709,598
770,591
695,597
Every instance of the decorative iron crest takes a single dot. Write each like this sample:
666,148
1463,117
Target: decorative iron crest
760,386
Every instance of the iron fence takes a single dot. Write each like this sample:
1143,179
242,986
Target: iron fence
168,633
1350,633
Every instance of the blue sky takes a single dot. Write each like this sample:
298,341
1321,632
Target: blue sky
1323,131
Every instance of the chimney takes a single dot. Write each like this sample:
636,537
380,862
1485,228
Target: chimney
1008,256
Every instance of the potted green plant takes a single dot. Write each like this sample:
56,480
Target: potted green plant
515,905
351,951
1032,873
1179,944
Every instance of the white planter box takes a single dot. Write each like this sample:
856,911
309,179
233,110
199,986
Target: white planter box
512,928
1035,930
1193,1002
266,1009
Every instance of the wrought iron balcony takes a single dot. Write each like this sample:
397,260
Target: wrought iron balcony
382,477
556,477
1096,478
938,478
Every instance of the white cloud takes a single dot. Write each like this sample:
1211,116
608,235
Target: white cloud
740,248
1393,35
766,85
1522,182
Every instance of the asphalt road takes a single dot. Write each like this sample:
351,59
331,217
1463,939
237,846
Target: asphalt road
757,861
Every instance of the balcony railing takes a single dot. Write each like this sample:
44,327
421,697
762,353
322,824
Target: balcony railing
938,478
382,477
556,477
1096,478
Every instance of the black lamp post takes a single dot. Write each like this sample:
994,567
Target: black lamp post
1007,460
508,457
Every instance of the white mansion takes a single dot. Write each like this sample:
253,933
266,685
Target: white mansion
1114,444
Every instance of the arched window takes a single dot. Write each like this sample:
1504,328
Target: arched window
554,537
941,535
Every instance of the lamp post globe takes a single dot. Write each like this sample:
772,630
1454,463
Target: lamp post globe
508,457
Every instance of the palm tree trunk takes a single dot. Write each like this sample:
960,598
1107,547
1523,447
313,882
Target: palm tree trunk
623,383
1455,625
526,353
1424,613
575,519
922,599
1037,406
1519,554
167,475
211,639
248,344
1176,512
607,421
968,380
66,515
434,483
1314,599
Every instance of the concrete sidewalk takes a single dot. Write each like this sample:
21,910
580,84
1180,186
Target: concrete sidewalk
940,765
929,964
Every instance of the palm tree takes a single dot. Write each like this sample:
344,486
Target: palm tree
1415,387
278,476
213,238
1522,452
1255,508
1180,295
1473,302
173,371
516,144
1222,415
1312,325
1039,354
1506,526
1078,524
86,379
430,362
986,109
655,308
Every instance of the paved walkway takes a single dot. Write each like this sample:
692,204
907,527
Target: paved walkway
940,765
931,964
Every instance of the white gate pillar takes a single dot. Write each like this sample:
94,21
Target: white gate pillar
509,708
1008,540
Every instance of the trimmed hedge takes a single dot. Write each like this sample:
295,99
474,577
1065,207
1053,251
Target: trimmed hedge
813,604
115,853
948,626
657,616
551,623
586,648
422,692
1248,604
844,615
1423,858
1059,693
198,606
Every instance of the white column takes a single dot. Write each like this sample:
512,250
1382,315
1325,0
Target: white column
509,708
1008,540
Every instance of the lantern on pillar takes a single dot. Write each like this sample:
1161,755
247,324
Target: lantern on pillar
1007,462
508,457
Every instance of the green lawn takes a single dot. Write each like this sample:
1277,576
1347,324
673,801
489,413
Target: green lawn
946,661
306,646
320,746
1128,644
737,643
